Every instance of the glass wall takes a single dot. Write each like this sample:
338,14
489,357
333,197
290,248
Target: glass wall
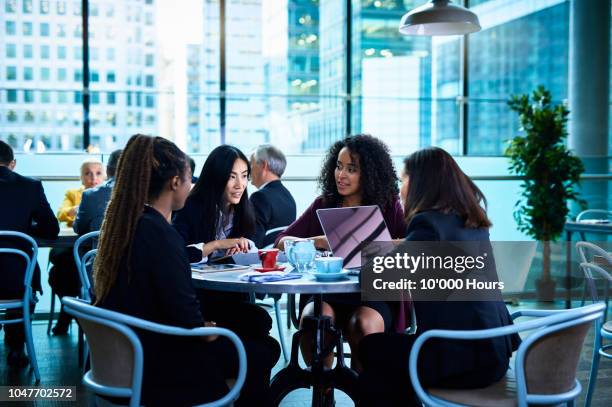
279,74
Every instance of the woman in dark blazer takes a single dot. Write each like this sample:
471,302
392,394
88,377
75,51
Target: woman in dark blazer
141,269
441,204
218,220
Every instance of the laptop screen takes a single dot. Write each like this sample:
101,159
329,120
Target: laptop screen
349,229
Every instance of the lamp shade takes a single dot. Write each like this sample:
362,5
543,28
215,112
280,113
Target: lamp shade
439,17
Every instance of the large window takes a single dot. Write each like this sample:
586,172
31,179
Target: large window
523,45
297,73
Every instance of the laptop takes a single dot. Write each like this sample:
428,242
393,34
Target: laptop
349,229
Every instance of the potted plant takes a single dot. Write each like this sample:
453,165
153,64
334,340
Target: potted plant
551,174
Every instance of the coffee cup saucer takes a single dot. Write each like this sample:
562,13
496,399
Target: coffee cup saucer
277,267
342,274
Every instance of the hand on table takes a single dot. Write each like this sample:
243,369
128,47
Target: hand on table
233,246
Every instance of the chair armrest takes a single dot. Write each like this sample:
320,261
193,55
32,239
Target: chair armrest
598,269
534,313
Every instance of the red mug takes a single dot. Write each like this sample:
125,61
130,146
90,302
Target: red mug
268,257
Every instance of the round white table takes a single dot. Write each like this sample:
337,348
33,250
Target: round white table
229,281
292,376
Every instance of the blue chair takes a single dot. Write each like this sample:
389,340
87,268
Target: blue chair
93,236
544,369
588,252
277,298
119,373
78,261
594,214
81,262
28,297
603,329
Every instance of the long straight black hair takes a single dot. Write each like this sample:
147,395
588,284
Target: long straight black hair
210,188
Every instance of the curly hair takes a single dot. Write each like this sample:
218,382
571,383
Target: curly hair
378,177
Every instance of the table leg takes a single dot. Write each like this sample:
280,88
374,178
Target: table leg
317,375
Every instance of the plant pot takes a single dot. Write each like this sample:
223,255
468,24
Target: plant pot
545,289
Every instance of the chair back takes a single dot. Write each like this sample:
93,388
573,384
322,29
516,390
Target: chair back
588,251
21,240
115,351
547,360
272,233
86,287
592,213
28,297
593,271
548,373
82,260
92,236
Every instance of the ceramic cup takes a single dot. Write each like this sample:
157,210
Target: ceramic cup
268,257
329,264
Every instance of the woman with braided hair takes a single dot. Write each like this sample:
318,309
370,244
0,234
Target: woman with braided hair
141,269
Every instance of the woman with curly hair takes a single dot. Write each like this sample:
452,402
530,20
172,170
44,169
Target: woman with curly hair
356,171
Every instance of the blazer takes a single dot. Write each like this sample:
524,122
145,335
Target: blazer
72,199
190,223
93,205
274,207
23,208
466,356
157,287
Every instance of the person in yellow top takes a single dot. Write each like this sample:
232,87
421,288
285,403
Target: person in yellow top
63,276
92,174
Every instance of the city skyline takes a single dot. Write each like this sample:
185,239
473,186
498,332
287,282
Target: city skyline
285,76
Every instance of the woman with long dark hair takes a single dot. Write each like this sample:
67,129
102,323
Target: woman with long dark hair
441,203
357,170
141,269
218,218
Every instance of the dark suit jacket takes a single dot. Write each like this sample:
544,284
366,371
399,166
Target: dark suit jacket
442,361
193,224
274,207
92,207
157,287
23,208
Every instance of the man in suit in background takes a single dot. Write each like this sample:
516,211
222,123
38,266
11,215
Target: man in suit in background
23,208
192,165
94,200
273,203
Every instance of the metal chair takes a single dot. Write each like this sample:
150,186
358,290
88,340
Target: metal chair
78,260
587,252
273,232
28,297
603,329
119,373
277,298
540,375
587,214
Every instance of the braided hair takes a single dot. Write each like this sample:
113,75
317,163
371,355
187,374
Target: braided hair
145,166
